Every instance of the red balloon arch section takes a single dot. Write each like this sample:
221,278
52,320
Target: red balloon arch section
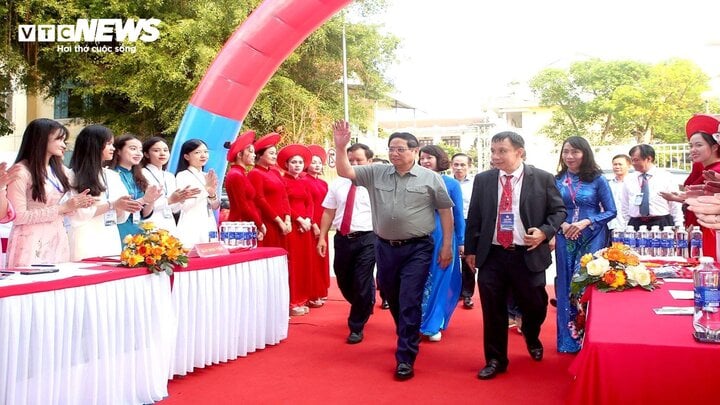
243,66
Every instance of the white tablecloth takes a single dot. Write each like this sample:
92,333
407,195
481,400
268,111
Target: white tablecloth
229,311
107,343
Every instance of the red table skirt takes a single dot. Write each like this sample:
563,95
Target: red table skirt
633,356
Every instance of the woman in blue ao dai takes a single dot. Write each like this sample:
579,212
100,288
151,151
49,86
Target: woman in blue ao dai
442,289
126,162
590,206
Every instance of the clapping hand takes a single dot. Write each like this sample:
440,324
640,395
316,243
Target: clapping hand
211,182
81,200
8,176
152,193
183,194
126,203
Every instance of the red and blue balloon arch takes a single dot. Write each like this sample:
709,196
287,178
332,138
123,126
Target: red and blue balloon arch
242,67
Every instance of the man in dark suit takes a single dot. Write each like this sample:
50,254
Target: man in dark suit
514,212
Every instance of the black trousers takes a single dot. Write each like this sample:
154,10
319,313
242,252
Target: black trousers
354,265
402,273
661,221
468,280
504,271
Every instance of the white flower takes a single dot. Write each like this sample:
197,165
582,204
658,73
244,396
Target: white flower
597,267
640,274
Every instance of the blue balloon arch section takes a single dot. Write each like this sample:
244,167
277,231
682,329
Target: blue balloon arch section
243,66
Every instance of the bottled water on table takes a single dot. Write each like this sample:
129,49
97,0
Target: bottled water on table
706,318
655,240
667,242
629,236
643,240
696,242
681,243
617,235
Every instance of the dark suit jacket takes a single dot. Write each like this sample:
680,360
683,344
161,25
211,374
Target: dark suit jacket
541,206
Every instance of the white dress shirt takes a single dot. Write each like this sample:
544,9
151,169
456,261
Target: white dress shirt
337,196
616,186
518,227
466,186
659,180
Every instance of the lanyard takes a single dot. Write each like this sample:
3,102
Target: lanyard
53,179
513,183
202,183
107,187
571,189
164,185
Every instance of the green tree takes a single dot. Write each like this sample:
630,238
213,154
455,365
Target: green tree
146,91
614,101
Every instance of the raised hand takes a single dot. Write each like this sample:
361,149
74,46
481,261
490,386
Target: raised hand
341,134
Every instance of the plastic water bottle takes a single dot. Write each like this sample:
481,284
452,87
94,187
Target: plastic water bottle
696,242
655,235
681,243
706,318
667,242
253,235
617,235
643,240
224,238
212,232
629,236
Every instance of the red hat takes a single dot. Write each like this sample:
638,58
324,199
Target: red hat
291,150
709,124
241,142
267,141
318,151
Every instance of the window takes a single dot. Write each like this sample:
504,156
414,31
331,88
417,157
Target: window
68,104
453,141
425,141
7,100
515,119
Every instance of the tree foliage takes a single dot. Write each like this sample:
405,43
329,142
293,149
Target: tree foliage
146,91
614,101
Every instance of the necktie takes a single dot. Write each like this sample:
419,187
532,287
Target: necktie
347,214
505,236
645,189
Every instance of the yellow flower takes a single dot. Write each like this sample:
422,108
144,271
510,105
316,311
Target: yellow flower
147,226
597,267
134,260
585,259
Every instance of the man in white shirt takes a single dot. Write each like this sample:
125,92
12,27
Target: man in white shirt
621,167
460,165
641,201
354,261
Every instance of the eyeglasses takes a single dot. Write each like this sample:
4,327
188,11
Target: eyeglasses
393,149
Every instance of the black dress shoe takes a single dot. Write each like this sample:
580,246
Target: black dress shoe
491,370
404,371
468,303
536,352
355,337
384,304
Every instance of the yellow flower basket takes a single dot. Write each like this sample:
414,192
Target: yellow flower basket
153,248
612,269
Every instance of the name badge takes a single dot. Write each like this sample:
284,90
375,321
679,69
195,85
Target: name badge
167,212
110,218
507,221
136,217
638,199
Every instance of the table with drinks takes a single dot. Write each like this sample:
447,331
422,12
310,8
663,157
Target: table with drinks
661,242
632,354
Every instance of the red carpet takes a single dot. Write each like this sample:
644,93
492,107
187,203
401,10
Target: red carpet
314,365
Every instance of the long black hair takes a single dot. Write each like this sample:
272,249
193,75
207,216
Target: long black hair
86,161
147,145
187,147
33,151
589,170
136,170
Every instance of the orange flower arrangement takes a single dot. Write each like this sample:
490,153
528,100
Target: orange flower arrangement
612,269
154,248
